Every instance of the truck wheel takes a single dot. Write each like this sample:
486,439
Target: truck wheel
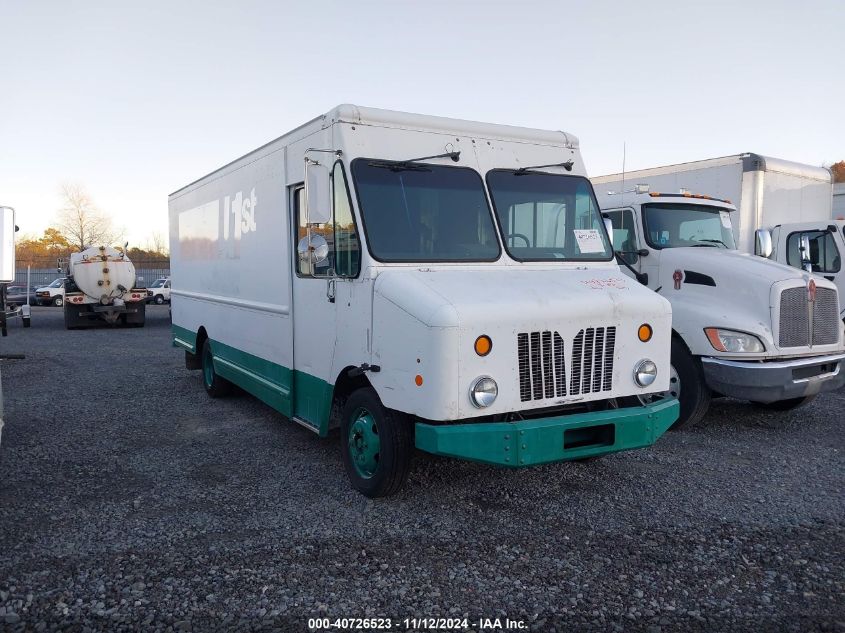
27,321
377,445
58,301
159,300
785,405
215,386
686,383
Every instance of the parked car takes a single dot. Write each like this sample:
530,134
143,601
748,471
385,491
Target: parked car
54,294
159,291
16,295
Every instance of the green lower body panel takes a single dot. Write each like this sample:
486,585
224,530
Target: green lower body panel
544,440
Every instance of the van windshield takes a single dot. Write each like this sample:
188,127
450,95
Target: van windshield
414,212
57,283
158,283
548,217
672,225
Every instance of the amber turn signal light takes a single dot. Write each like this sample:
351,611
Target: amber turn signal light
644,333
483,345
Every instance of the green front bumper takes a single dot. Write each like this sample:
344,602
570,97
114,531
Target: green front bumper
544,440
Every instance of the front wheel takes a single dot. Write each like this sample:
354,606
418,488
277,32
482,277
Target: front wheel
58,301
686,383
785,405
377,445
215,386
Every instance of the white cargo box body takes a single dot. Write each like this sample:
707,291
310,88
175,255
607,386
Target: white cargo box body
766,191
409,328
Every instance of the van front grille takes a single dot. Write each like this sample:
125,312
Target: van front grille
542,367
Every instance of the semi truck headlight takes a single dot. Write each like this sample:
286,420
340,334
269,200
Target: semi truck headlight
731,341
645,372
483,392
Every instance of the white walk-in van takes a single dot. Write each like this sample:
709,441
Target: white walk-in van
420,282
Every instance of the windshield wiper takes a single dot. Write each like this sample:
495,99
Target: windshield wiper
524,170
409,164
711,241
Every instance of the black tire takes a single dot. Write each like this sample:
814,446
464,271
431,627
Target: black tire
27,322
58,301
395,445
159,300
785,405
215,385
694,394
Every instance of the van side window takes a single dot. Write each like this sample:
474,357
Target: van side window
824,256
624,233
347,248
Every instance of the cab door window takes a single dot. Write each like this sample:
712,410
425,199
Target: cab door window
824,255
624,234
340,233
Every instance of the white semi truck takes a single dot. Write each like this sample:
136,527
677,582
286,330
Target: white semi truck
100,286
743,326
784,209
419,282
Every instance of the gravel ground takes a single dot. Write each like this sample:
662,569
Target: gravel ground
129,500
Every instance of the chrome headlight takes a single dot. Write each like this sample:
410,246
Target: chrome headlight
731,341
483,392
645,372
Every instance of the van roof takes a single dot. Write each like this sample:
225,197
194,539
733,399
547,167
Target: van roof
377,117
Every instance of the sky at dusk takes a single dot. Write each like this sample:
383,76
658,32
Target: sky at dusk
135,100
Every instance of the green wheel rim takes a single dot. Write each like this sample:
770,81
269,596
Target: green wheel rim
208,367
364,443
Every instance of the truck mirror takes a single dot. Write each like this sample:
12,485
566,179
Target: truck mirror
806,262
762,243
608,226
318,202
312,249
7,244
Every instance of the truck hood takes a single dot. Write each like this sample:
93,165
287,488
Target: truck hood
446,298
726,266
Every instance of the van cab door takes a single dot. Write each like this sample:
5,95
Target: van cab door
826,250
320,285
627,241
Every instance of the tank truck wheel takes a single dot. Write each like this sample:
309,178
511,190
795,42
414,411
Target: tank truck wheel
690,388
58,301
27,321
377,445
785,405
215,386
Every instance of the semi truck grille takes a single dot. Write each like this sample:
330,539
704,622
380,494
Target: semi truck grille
542,367
795,318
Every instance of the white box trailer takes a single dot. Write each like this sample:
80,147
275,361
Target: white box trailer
419,282
789,203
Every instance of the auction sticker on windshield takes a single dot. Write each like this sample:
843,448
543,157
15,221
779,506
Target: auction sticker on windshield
589,241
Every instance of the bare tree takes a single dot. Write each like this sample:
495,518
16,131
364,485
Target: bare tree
157,243
81,221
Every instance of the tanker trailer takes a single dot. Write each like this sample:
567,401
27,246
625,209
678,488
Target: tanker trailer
101,287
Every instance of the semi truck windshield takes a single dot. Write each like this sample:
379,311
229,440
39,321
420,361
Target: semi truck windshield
669,225
548,217
416,212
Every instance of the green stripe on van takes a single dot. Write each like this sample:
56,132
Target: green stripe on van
291,393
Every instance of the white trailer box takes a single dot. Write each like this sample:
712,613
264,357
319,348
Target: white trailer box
789,203
419,281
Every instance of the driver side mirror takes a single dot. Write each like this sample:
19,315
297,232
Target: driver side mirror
806,262
763,243
318,201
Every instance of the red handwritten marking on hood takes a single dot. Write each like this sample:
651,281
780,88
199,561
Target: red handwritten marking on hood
611,282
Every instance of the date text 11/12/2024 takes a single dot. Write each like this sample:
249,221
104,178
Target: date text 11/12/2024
415,624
